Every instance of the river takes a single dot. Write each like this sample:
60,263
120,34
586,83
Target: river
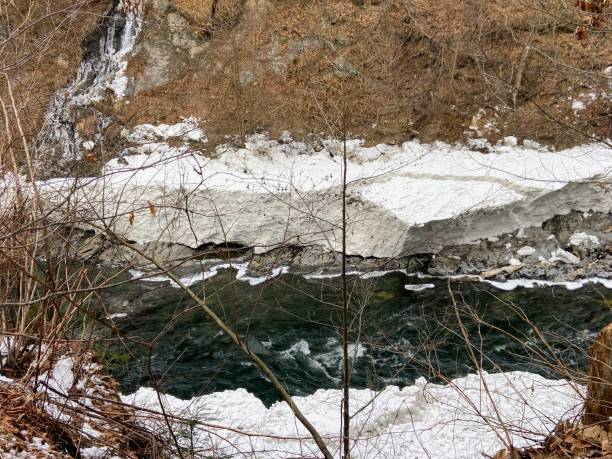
396,334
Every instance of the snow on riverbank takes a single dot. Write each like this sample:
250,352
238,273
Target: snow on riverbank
511,284
425,420
74,401
417,182
270,193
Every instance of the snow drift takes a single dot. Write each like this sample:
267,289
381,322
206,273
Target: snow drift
404,199
426,420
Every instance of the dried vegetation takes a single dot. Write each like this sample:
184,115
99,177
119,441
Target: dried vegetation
395,69
40,50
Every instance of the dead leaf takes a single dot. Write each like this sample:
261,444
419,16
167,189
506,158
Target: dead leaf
152,208
131,218
590,6
594,432
581,32
90,157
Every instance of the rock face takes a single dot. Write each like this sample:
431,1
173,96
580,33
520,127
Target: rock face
598,407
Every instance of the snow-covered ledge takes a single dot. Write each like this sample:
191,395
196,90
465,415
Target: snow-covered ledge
402,199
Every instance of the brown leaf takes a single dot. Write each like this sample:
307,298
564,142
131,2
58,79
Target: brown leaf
131,218
90,157
577,446
581,32
594,432
152,208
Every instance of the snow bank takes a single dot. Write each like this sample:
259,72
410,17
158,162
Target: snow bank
425,420
417,182
269,193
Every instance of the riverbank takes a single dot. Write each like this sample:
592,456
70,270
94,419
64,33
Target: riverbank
517,211
564,249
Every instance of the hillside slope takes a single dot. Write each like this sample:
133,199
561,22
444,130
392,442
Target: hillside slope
386,71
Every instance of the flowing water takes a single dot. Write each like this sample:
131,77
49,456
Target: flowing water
103,69
397,334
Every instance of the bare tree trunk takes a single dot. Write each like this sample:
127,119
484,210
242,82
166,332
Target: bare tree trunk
598,407
519,76
208,30
345,357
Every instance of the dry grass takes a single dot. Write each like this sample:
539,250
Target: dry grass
45,51
26,414
568,441
425,69
198,12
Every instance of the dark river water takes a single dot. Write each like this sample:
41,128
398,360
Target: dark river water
396,335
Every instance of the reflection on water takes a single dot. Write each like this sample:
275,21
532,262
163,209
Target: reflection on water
397,334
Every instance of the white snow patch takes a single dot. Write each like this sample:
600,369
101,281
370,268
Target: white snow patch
514,262
89,430
418,421
89,145
94,452
332,275
191,279
533,145
418,287
525,251
117,315
61,377
564,256
534,283
583,239
578,105
188,129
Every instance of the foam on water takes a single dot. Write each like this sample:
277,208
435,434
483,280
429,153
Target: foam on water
242,270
